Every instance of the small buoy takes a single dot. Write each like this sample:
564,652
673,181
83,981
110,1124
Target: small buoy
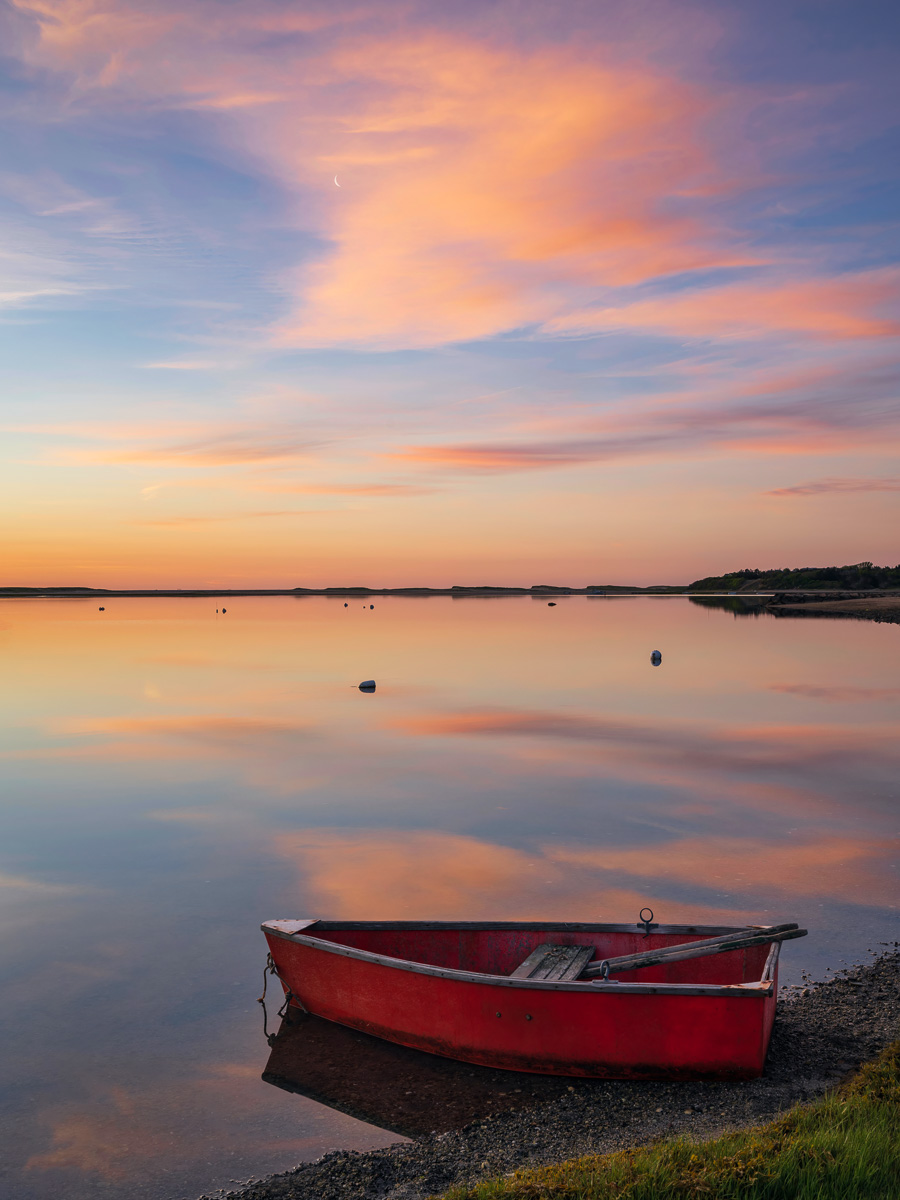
367,685
551,604
101,609
656,658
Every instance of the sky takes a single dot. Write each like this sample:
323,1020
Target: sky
391,292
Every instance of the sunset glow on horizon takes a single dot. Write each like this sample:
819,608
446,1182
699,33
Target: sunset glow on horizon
607,292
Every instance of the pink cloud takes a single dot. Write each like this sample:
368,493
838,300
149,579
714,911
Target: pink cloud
851,306
485,187
480,183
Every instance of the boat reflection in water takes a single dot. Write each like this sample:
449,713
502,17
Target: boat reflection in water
402,1090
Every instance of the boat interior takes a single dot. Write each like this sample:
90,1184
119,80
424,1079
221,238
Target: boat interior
498,949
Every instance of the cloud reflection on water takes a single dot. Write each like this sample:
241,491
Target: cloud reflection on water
406,874
173,779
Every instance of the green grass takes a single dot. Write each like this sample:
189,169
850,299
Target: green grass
845,1146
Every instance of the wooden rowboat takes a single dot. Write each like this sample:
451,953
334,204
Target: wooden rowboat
601,1001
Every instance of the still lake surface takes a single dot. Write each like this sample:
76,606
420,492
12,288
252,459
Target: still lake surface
173,776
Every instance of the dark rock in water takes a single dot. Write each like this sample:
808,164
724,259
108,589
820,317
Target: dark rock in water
367,685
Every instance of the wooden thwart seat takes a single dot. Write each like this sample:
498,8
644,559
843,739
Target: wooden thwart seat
554,963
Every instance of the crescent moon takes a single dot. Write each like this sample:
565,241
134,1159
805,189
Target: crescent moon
336,184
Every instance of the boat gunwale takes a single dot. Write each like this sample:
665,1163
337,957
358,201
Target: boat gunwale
762,988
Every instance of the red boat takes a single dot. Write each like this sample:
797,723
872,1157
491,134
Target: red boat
604,1001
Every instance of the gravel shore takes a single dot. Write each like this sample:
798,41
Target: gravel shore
822,1033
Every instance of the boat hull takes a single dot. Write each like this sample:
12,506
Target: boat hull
625,1030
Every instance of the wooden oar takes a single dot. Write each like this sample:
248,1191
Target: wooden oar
720,945
666,951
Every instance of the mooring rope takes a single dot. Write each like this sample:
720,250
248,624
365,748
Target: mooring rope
271,969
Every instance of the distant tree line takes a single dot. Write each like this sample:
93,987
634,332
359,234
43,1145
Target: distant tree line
862,576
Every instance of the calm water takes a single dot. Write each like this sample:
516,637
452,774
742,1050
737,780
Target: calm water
172,777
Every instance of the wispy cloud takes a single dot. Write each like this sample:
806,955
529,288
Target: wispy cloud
798,414
188,522
344,489
32,273
800,750
187,364
242,733
215,449
819,487
30,888
837,693
848,307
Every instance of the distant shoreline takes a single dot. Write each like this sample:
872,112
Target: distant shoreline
882,606
73,593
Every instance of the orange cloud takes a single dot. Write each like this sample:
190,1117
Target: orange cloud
359,871
366,874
